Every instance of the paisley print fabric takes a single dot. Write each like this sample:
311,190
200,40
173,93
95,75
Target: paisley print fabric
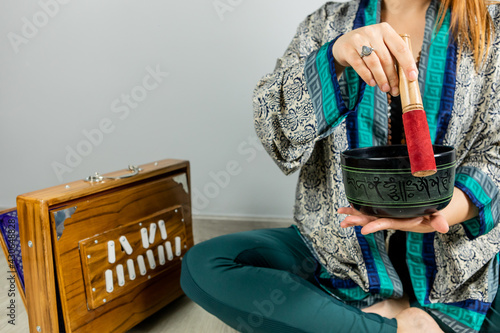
305,117
9,229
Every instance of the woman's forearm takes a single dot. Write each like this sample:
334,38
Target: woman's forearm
460,208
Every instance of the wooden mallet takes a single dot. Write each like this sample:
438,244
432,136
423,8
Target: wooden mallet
418,138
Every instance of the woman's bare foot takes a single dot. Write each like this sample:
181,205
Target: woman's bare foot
389,308
415,320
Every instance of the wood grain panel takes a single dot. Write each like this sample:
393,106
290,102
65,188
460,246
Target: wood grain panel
98,214
54,270
38,265
94,255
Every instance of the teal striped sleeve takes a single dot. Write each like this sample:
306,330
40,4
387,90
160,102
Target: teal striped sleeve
483,192
325,91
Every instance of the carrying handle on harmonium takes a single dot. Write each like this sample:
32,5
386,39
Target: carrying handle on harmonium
97,177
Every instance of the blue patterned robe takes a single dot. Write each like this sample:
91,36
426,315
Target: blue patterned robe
305,117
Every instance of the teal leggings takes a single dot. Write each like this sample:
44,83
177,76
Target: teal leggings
263,281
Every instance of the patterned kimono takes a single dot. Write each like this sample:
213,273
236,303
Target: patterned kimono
306,116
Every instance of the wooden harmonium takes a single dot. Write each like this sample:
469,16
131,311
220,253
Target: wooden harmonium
101,254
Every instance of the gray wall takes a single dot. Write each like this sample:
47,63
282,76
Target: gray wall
94,85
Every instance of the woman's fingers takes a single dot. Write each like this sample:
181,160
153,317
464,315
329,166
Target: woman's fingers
423,224
388,66
392,224
439,223
348,211
355,221
354,218
401,52
378,68
362,69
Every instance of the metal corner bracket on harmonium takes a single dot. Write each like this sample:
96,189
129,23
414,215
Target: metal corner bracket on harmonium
104,253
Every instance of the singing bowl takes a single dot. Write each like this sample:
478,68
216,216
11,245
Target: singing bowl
378,181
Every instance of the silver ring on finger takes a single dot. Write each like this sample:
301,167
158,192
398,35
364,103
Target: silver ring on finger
366,51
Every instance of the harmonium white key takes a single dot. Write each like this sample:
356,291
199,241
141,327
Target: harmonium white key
111,252
151,259
170,253
142,265
161,255
131,269
126,245
120,275
145,238
178,249
109,280
152,233
163,230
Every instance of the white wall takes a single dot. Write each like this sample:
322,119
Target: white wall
70,74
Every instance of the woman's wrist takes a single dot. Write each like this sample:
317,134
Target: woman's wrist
339,69
460,209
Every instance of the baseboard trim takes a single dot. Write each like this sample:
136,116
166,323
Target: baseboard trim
206,227
242,219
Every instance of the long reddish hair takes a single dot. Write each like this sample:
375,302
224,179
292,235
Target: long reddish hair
471,25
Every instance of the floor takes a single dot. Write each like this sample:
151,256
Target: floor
180,316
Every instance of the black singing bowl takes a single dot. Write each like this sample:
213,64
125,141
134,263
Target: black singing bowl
378,182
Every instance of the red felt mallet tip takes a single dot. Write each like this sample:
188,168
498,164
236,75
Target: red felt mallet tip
418,141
